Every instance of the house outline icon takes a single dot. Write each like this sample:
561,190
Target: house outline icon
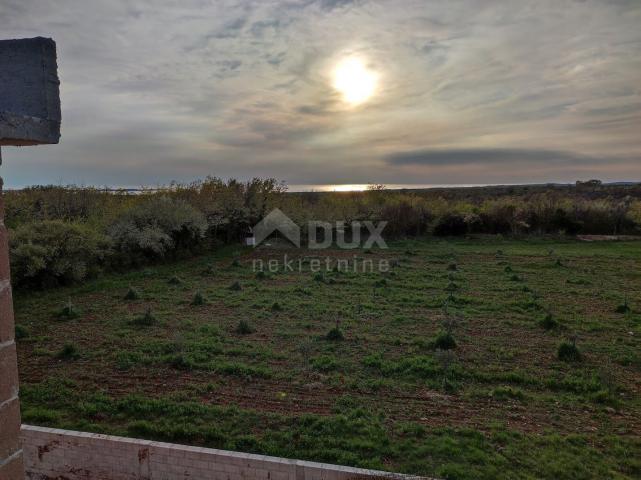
276,220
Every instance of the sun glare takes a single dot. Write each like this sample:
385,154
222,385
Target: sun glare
354,80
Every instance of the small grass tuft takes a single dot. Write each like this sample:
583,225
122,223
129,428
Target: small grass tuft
210,269
69,311
199,299
505,393
235,263
174,281
132,294
452,267
445,341
451,287
548,322
335,334
69,352
325,363
244,328
381,283
145,320
569,352
235,287
21,332
277,307
624,307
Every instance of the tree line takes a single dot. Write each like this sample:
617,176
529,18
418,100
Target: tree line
64,234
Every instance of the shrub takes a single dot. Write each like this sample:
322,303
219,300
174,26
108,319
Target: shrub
69,352
450,224
210,269
244,328
132,294
21,332
235,286
452,267
235,263
624,307
51,253
569,352
199,299
174,280
277,307
444,341
335,335
68,311
548,322
261,275
325,363
155,228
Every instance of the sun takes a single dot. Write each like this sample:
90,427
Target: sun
354,80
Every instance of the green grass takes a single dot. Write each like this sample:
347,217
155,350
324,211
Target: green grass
386,395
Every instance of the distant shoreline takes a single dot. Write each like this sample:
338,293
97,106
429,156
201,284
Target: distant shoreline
329,188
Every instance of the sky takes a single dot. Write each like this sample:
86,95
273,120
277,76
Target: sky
463,91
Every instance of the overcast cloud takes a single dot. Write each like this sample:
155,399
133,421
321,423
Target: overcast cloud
470,91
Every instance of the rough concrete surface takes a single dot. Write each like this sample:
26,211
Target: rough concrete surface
29,92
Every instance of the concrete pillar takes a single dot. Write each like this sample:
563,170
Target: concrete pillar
11,466
29,115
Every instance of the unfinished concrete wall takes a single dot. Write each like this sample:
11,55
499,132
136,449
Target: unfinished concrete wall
29,92
10,451
29,115
51,453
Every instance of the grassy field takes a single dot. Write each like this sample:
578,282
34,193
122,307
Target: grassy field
346,367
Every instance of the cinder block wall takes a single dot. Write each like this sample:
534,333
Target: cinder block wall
51,453
11,466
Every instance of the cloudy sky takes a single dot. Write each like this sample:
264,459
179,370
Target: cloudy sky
466,91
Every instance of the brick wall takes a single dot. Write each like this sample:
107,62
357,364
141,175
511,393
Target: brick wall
62,454
10,453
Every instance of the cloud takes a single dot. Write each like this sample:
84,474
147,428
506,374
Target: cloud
489,156
177,90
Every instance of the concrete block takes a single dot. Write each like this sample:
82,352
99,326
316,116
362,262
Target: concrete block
9,372
7,329
10,428
12,468
4,256
29,92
